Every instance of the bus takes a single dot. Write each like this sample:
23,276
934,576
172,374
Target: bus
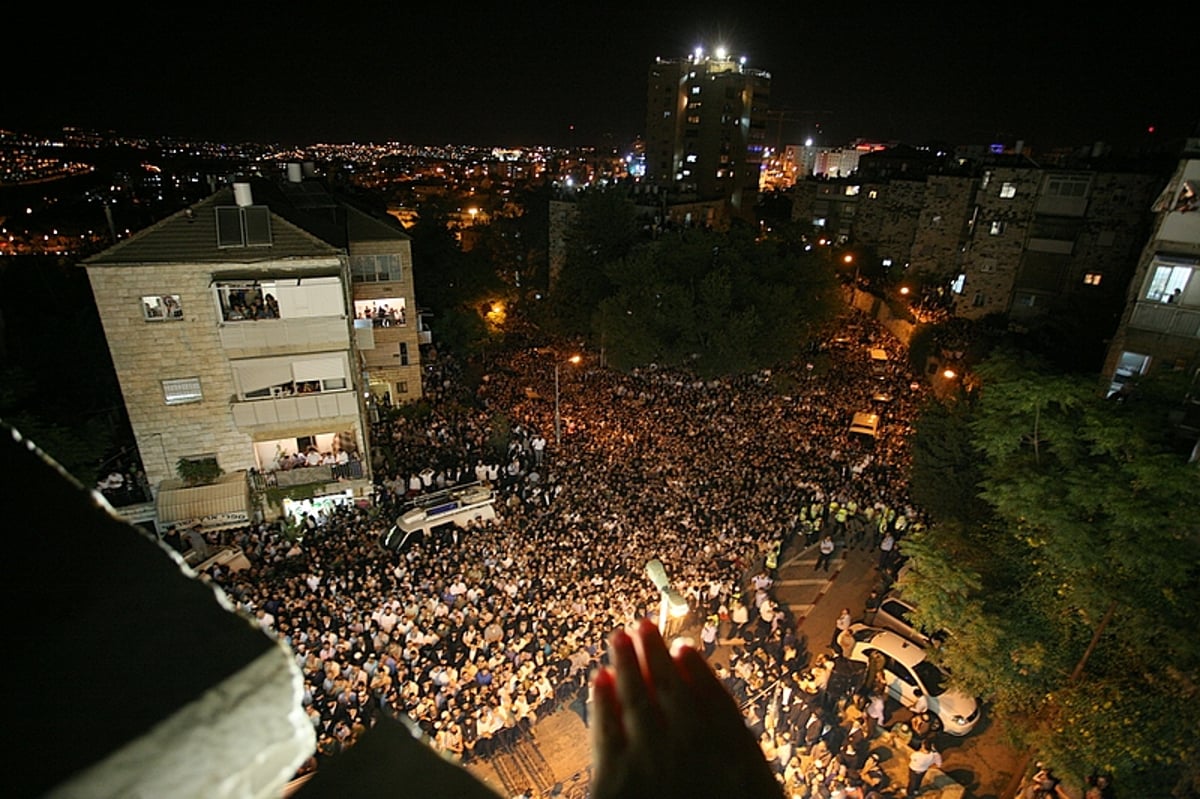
430,513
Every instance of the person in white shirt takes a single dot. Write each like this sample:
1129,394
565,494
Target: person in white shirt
920,762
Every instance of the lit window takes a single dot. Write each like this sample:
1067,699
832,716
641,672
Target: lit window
1008,190
691,158
852,191
997,227
819,222
162,307
959,283
873,194
695,90
1092,279
182,390
1168,283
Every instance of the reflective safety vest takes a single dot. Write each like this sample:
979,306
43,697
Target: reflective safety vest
841,515
773,558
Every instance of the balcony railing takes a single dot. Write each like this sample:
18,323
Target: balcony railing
308,475
1166,318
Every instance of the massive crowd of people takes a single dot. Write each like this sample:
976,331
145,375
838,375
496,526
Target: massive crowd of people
477,636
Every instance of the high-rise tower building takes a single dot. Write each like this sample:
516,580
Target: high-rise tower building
706,119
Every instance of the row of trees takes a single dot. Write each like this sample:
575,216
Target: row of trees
1064,557
716,302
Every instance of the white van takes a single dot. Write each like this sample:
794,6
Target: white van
459,506
879,362
865,425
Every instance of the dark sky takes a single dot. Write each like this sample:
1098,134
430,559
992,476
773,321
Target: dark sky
525,73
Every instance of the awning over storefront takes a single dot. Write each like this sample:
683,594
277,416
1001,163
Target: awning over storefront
223,504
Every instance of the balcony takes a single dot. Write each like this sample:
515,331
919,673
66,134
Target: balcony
304,334
297,408
308,475
1166,318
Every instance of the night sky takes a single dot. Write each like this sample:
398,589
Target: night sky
575,72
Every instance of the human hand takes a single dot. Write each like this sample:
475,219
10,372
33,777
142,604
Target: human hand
664,727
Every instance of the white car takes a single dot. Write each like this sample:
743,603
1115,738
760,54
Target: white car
906,671
895,614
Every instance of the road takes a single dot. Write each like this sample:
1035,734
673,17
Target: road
981,762
555,762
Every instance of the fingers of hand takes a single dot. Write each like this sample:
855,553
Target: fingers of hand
657,666
636,700
607,730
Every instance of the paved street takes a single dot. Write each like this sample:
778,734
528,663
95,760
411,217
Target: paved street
555,763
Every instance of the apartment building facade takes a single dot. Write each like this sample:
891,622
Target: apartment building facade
706,118
1008,237
1160,325
237,333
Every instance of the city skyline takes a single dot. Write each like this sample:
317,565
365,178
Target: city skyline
538,74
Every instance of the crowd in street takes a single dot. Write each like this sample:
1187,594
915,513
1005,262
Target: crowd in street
476,637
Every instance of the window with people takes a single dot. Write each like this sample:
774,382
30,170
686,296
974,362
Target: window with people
162,307
319,449
280,298
1168,282
386,312
247,302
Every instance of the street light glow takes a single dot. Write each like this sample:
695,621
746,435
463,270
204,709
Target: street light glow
949,374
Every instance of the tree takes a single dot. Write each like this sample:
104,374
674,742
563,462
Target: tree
603,231
718,303
1072,607
945,466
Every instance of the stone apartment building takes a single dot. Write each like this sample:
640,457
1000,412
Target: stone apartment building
1006,235
1160,325
254,330
1047,238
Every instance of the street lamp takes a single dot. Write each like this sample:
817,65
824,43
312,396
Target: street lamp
557,415
672,604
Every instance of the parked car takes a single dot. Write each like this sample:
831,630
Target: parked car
906,671
896,614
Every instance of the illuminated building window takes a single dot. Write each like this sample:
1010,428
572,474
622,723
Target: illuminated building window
997,228
182,390
1092,279
164,307
1008,190
1168,282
